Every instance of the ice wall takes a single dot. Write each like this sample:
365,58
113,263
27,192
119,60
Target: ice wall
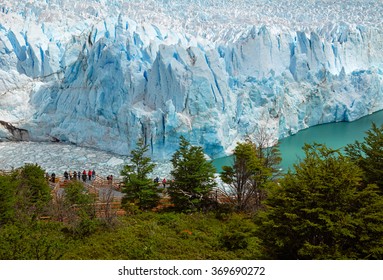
106,82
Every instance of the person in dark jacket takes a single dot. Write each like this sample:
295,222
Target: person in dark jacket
84,175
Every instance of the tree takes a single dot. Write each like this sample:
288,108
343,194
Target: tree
32,193
368,155
138,188
323,211
7,199
247,178
109,215
267,149
193,177
80,209
75,194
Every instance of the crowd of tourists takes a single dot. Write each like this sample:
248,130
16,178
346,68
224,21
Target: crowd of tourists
75,175
90,175
85,176
159,182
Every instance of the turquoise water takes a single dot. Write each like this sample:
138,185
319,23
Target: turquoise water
334,135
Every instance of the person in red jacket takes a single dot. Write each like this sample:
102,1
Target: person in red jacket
90,175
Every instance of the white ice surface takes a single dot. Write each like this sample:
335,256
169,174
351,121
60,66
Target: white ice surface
59,158
104,73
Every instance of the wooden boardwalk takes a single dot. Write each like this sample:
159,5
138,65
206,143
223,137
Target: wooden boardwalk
107,194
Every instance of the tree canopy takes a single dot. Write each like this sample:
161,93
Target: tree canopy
24,194
323,211
368,155
247,178
193,177
7,199
138,187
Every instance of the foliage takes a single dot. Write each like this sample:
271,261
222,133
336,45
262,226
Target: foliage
36,241
7,200
24,194
322,211
239,235
328,207
33,176
266,148
193,178
86,225
368,155
146,236
247,178
168,236
138,188
75,194
33,192
80,210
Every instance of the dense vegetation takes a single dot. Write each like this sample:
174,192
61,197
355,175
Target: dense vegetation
193,178
249,177
323,211
139,189
329,206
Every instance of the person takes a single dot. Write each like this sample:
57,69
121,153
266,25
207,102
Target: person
66,175
75,175
90,175
156,180
84,175
93,174
53,177
79,175
164,182
70,175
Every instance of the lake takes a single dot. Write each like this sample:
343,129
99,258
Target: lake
334,135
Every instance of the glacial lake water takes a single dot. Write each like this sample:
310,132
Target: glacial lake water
334,135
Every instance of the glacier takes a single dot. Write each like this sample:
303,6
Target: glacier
103,73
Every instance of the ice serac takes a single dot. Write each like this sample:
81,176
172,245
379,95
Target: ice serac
106,81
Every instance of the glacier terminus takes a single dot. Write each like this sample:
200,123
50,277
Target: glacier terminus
102,74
